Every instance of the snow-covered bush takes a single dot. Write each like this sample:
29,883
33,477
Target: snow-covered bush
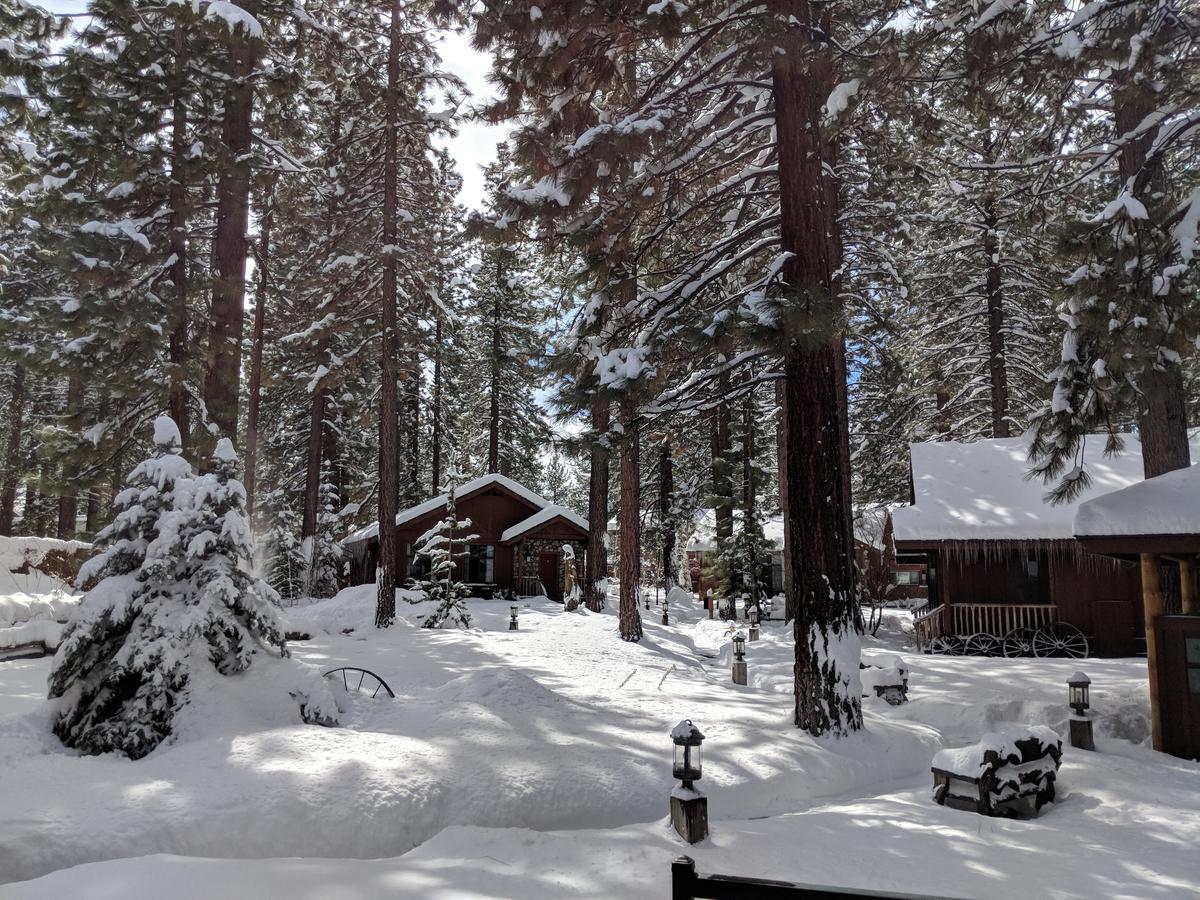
173,595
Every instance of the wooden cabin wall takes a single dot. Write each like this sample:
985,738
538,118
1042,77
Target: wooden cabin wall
1103,600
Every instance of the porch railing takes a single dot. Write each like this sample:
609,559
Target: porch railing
529,586
965,619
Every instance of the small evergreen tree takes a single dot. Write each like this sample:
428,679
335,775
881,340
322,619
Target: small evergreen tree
437,548
173,595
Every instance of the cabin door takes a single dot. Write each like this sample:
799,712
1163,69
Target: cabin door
1178,646
549,566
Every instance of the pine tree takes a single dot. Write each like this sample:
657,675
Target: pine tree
436,551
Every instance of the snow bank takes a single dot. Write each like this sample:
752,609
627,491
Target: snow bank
352,608
46,632
33,597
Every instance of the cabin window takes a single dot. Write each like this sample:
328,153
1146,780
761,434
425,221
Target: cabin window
481,564
907,577
416,566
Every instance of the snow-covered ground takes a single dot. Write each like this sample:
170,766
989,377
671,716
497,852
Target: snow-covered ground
536,763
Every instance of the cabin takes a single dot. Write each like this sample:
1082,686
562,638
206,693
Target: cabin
1002,562
519,543
1156,523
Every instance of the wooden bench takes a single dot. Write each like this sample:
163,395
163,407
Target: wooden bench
1009,773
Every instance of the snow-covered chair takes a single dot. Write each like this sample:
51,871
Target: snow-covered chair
1007,773
887,676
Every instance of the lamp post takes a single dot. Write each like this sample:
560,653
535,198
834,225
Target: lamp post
1078,688
689,807
739,658
512,617
753,623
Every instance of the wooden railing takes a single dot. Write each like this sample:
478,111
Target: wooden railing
529,586
999,618
966,619
688,884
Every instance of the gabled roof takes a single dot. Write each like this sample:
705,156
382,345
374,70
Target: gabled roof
1165,505
473,486
542,517
979,490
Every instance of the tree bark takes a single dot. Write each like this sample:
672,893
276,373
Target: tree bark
312,467
68,500
1162,416
12,452
223,373
385,606
666,491
256,352
721,480
435,450
597,549
789,596
997,354
178,350
749,491
629,525
817,515
494,388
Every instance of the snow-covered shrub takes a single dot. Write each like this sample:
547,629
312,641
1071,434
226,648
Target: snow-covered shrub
173,595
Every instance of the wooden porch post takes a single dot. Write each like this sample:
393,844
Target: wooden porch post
1152,607
1187,587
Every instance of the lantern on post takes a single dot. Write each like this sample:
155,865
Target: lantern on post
1078,688
689,807
753,614
739,658
512,617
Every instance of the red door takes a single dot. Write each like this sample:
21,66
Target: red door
548,573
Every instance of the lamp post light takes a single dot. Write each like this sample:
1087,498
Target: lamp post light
1078,688
739,658
689,807
512,617
753,623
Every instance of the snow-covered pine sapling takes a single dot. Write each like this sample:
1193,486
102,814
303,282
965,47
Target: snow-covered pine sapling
172,597
437,549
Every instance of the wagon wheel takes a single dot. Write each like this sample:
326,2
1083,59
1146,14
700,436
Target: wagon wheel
1019,642
947,645
1061,640
360,681
983,644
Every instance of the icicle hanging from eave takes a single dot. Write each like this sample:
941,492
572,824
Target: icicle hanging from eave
960,554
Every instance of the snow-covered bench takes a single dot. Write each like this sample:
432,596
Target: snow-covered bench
887,676
1006,773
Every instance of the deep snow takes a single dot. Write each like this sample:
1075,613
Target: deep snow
536,763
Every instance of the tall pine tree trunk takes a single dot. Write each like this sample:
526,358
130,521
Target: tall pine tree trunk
494,386
178,350
1162,417
721,481
749,490
256,351
997,353
597,548
789,596
629,525
666,497
68,499
222,377
435,450
817,515
385,606
12,451
312,467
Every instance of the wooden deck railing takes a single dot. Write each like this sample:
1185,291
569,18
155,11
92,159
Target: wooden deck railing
529,586
966,619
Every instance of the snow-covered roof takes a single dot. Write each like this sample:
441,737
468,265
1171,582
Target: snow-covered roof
541,518
704,538
436,503
979,491
1166,504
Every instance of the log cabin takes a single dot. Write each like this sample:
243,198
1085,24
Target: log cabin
518,544
1003,562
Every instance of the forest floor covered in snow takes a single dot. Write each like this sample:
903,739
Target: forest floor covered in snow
536,763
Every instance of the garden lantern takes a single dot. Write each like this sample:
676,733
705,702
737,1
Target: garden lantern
689,807
687,739
512,617
754,615
739,658
1078,686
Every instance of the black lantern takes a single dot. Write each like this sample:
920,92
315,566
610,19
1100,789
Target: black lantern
754,615
512,617
739,646
687,739
1078,685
